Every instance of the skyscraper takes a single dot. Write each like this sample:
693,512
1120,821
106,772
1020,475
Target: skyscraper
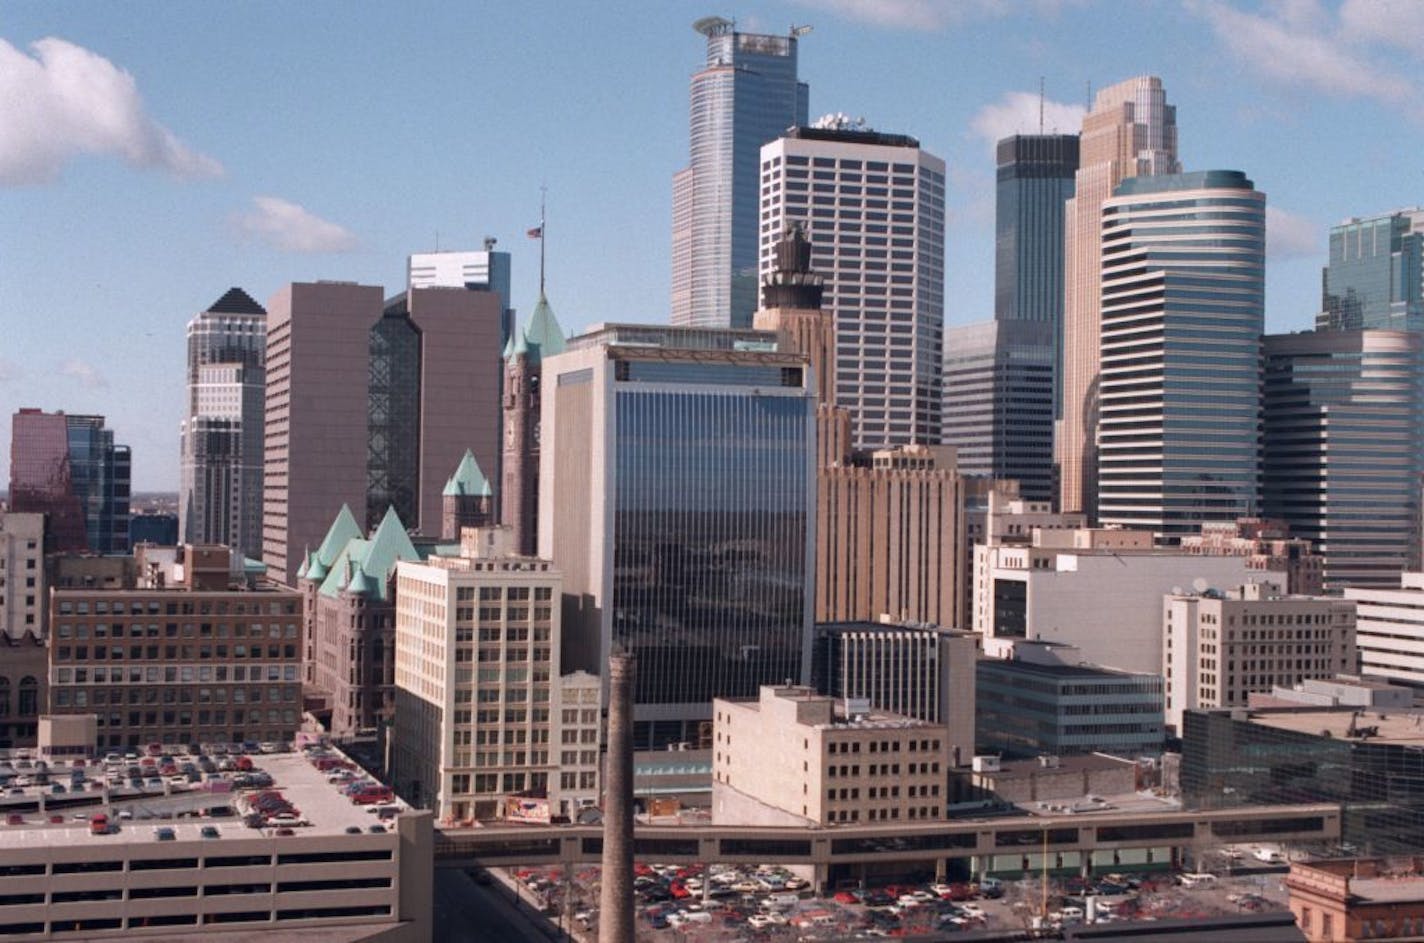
1036,174
433,394
676,495
68,467
998,401
1130,132
474,270
1343,448
1375,278
1183,306
318,355
745,95
875,219
221,439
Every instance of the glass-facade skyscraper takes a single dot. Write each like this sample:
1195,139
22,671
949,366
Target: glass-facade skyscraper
745,95
1343,449
1035,178
1182,309
69,468
221,441
677,496
1375,278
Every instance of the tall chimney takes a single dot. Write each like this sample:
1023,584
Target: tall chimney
615,911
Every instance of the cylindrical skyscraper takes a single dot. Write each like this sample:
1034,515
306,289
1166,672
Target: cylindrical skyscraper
615,905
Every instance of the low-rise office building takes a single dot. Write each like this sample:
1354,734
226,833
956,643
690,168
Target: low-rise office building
22,574
1389,629
1041,703
189,656
794,756
1358,898
1268,546
1219,647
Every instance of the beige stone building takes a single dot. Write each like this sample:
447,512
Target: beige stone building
1268,545
1219,647
479,712
794,755
22,574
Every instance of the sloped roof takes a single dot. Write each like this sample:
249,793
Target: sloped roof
543,334
468,479
365,566
342,530
236,301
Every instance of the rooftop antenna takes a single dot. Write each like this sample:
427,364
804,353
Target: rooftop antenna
1040,104
1090,94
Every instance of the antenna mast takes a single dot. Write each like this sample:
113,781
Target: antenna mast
543,190
1040,104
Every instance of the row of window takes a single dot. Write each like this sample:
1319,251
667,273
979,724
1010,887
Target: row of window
174,607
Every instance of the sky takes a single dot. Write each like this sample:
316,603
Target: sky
153,155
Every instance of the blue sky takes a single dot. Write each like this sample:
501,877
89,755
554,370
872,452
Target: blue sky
152,155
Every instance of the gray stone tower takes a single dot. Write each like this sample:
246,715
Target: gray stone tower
615,912
519,495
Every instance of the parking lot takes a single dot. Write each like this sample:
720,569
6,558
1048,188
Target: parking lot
765,902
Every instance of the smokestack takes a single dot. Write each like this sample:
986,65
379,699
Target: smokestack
615,911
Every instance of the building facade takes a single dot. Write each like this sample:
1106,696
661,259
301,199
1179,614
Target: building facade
1131,131
998,402
677,498
1268,545
69,468
523,370
1098,590
480,715
318,355
918,671
24,687
1220,647
221,438
745,95
1390,629
183,658
350,622
1035,178
872,206
1375,279
791,753
473,270
22,574
1344,443
1181,316
1023,708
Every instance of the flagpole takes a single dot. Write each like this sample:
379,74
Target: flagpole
542,192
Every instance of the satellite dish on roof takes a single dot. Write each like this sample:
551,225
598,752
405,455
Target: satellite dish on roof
1200,584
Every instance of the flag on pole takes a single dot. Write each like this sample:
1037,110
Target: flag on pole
536,233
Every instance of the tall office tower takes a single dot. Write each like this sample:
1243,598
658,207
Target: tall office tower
745,95
476,270
1342,448
1375,278
221,439
1036,174
68,467
41,481
1131,132
434,394
676,496
873,207
998,401
523,367
1183,307
318,356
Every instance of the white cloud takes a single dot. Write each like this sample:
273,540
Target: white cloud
1291,236
1017,113
65,101
1392,22
1300,44
927,15
292,228
86,373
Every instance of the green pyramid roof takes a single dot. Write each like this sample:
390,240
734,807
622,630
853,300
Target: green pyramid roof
365,566
468,479
342,530
543,334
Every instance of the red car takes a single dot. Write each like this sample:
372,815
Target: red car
846,897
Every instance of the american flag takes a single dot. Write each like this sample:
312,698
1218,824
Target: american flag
536,233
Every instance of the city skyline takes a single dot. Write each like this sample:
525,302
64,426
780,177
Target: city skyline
112,240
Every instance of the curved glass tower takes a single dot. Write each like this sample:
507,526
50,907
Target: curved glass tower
1183,300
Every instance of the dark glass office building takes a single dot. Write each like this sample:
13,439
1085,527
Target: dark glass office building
1370,763
1036,173
677,499
69,468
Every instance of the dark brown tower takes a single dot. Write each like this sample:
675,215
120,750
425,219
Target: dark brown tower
523,366
615,914
467,500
